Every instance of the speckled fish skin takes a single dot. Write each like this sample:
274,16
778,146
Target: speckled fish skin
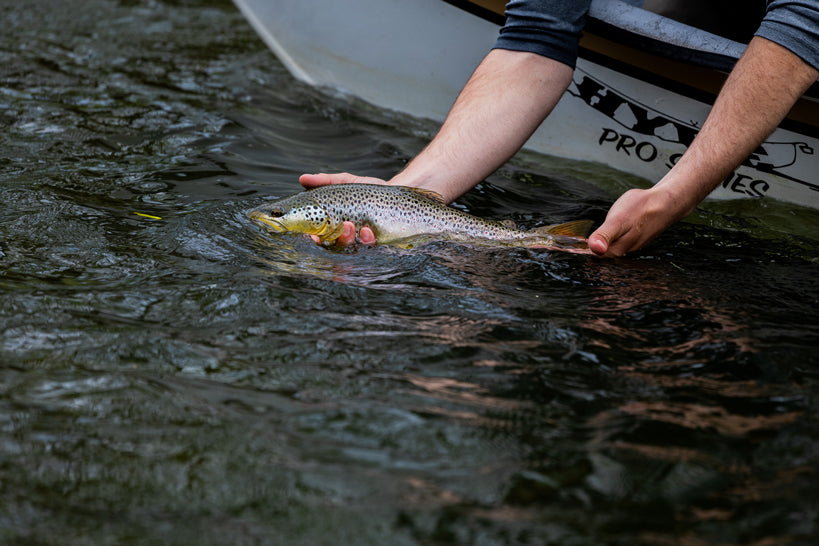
395,213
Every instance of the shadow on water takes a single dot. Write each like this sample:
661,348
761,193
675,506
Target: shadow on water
171,373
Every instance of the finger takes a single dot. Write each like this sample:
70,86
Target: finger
324,179
610,240
366,235
347,236
598,242
320,179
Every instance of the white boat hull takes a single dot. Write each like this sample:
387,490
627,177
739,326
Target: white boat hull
414,57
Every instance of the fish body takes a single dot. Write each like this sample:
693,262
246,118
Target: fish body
397,213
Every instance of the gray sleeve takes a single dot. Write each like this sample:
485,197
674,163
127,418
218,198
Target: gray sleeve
794,24
550,28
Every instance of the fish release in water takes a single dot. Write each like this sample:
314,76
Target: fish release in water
398,213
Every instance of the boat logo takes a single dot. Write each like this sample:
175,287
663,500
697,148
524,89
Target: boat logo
659,130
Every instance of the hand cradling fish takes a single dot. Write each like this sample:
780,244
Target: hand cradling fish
401,216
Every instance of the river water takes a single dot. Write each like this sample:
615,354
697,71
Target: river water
171,374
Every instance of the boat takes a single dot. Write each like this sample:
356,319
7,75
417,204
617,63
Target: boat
643,85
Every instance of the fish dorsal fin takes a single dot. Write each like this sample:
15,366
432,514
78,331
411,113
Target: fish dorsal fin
429,194
577,228
509,224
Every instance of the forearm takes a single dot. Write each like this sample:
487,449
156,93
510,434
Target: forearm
758,94
505,100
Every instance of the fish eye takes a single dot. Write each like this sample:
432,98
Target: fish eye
275,213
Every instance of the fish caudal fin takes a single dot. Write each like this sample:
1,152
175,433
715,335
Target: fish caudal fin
568,237
578,229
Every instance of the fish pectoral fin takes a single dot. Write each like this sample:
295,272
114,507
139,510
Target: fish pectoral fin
429,194
330,232
578,228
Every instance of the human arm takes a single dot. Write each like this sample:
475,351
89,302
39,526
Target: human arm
505,100
758,94
510,93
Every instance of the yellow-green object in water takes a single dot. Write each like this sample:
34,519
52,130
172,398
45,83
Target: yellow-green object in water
398,213
151,216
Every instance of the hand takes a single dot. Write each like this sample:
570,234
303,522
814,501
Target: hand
634,220
348,236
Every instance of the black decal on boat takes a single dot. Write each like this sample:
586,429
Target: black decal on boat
770,158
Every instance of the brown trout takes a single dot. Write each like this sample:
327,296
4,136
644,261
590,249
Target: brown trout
398,213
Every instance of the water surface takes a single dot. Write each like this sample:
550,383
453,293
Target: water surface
170,373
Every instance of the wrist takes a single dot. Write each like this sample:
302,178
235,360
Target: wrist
675,201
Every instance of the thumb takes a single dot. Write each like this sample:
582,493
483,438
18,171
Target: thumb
599,242
605,239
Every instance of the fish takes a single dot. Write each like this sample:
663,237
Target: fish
402,215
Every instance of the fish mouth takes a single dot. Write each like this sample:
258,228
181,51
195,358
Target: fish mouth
264,218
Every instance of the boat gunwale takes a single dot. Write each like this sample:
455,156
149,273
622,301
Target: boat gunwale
701,60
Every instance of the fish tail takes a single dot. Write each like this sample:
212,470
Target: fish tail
568,237
577,229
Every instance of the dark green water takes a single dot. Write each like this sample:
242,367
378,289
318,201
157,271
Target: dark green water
187,379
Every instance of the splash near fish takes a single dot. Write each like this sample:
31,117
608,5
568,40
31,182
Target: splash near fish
401,215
